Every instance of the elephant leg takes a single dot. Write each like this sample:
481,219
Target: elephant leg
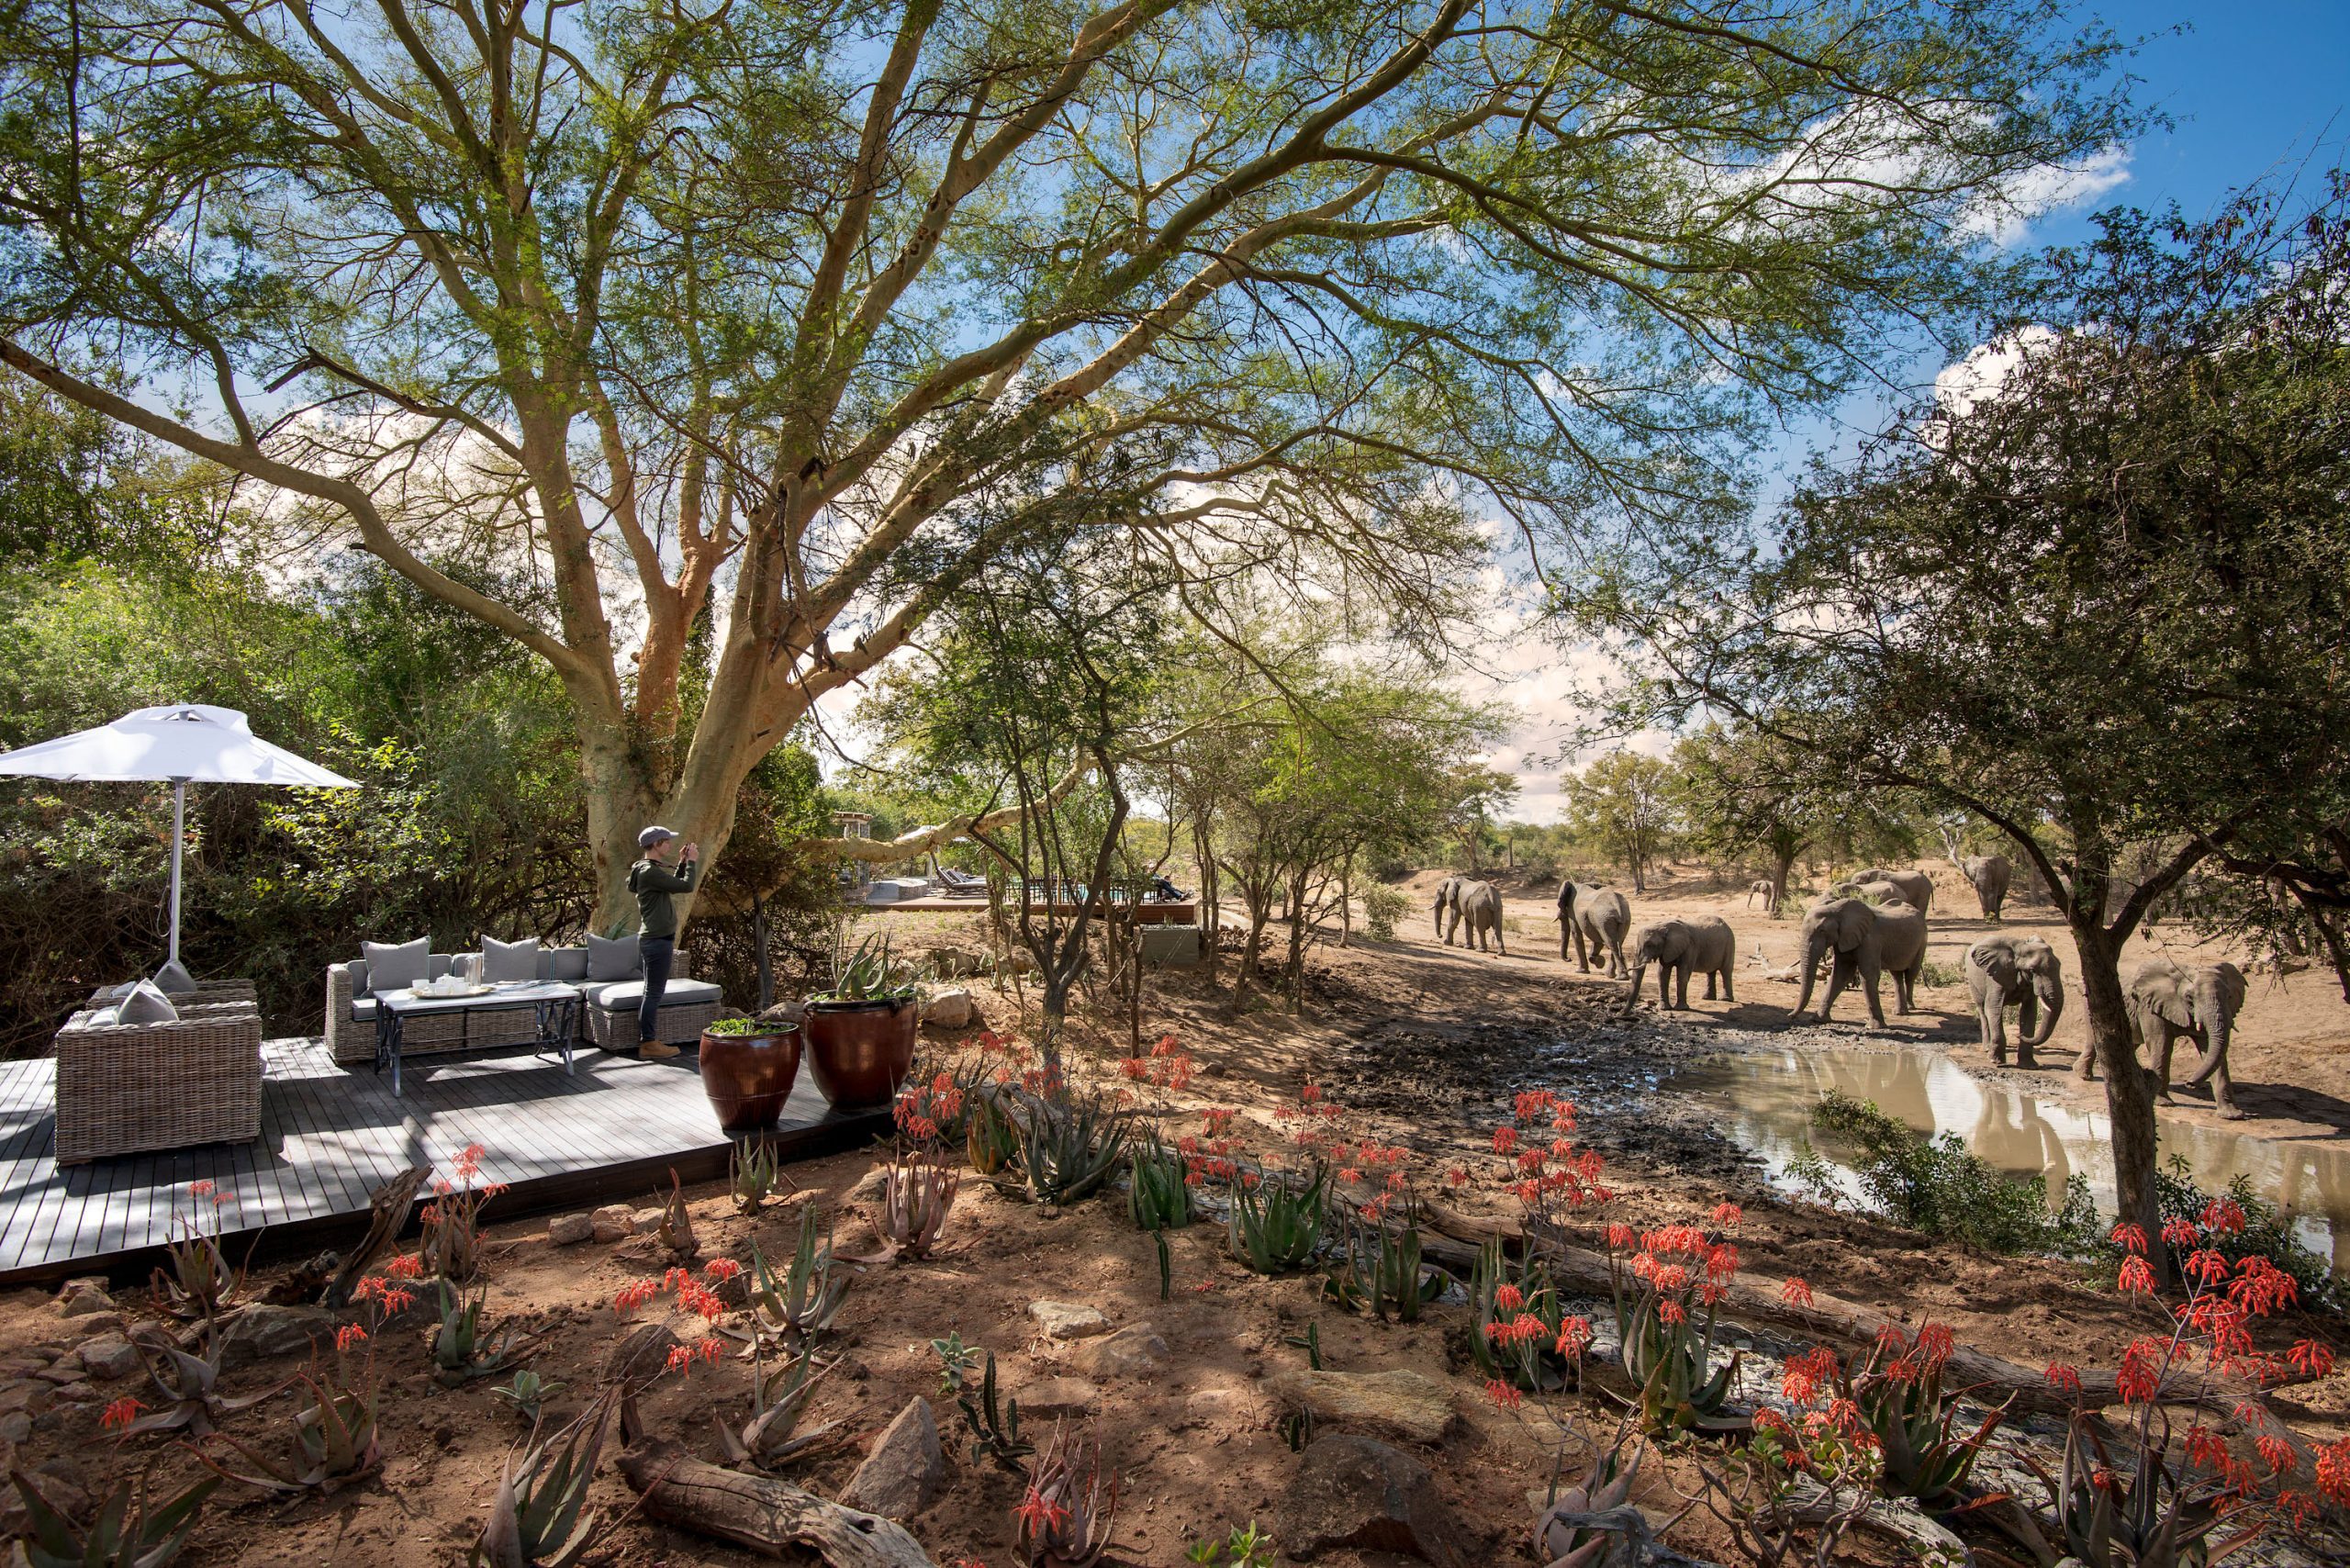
1840,975
1583,958
2161,1069
1729,993
1501,943
1616,958
1873,979
1991,1023
2027,1023
2224,1095
1681,987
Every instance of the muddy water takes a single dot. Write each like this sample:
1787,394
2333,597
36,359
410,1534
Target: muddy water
1763,1100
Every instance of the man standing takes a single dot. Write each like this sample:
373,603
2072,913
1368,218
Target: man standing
652,883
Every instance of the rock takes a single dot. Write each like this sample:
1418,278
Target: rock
1221,1407
790,1012
1133,1351
109,1356
262,1331
98,1323
570,1230
956,963
1353,1492
951,1008
613,1222
1067,1319
16,1427
29,1398
905,1469
1058,1397
868,1187
648,1220
1403,1403
80,1298
64,1372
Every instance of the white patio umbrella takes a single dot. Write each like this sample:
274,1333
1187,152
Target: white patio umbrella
186,743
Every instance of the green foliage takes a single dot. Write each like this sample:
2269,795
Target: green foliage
462,1349
991,1138
1503,1295
1941,1187
1383,908
2136,1510
334,1443
868,972
747,1028
955,1360
995,1431
2266,1233
527,1392
801,1306
1067,1147
754,1167
1158,1198
1380,1272
1623,803
1277,1219
1668,1354
1238,1549
539,1517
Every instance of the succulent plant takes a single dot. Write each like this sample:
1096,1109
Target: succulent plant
538,1518
990,1140
334,1443
1277,1221
1064,1518
1068,1147
869,972
130,1529
802,1303
189,1386
1157,1197
461,1351
527,1392
1382,1272
917,1192
753,1171
1591,1524
778,1400
995,1432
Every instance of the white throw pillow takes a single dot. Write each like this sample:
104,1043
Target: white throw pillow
145,1004
395,968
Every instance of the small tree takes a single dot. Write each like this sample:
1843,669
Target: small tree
1623,805
1739,790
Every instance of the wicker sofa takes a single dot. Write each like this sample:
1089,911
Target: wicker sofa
609,1008
133,1088
607,1014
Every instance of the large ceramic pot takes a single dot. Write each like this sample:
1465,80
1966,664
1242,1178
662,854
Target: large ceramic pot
860,1051
748,1076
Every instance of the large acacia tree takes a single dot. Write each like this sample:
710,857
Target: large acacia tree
2099,604
786,319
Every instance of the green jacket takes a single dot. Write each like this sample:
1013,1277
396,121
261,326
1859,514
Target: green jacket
653,882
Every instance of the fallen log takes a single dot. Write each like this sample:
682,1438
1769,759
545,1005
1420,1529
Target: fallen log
388,1208
771,1517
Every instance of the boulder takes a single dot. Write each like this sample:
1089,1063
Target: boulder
28,1398
1058,1397
613,1222
648,1220
1406,1405
905,1469
82,1297
1133,1351
868,1186
109,1356
570,1230
1067,1319
950,1008
16,1427
259,1332
1356,1493
956,963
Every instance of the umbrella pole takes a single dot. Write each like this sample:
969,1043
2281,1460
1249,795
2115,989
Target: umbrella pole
179,826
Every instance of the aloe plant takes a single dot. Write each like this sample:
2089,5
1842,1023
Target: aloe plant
1519,1330
334,1443
2135,1511
538,1518
189,1386
527,1392
1574,1528
778,1400
1916,1422
917,1193
1277,1222
1382,1272
130,1529
1067,1148
990,1140
753,1171
1065,1518
803,1302
870,972
1157,1197
1667,1354
462,1350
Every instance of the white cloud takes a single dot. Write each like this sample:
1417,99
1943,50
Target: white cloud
2004,214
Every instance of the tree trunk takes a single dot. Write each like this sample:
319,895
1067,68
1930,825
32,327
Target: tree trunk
1783,862
2129,1088
1347,901
765,960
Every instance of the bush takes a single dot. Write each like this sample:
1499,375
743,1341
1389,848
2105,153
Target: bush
2266,1233
1382,907
1941,1187
1931,973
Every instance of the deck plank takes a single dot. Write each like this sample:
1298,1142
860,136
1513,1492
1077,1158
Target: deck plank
330,1135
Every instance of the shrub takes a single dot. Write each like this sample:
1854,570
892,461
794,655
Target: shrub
1382,908
2265,1233
1941,1187
1932,973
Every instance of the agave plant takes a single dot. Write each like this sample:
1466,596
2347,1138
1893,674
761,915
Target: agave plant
917,1192
462,1350
1064,1518
1157,1197
1519,1330
869,972
130,1529
778,1400
1589,1524
1667,1354
1067,1147
189,1387
538,1518
2139,1513
801,1306
1901,1399
334,1443
1382,1272
1277,1222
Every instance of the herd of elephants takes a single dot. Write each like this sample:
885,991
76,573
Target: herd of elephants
1874,923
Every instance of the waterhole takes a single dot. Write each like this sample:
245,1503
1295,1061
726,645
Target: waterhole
1763,1101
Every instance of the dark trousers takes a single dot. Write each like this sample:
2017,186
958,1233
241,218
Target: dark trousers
657,955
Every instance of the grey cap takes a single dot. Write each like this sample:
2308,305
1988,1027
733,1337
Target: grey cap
654,835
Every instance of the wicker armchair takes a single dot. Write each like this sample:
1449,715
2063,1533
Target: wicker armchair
132,1088
208,993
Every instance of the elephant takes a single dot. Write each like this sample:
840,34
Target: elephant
1868,939
1916,888
1990,874
1679,947
1448,902
1596,920
2165,1001
1768,892
2020,970
1479,906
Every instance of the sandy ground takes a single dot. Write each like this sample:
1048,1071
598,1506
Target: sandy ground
1423,1045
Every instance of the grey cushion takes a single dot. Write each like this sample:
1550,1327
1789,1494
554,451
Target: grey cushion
396,967
624,996
145,1004
125,989
613,958
503,961
568,965
172,979
364,1010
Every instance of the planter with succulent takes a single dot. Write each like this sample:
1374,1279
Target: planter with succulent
748,1065
860,1029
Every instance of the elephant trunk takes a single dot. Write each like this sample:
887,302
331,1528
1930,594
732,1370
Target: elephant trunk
1815,943
1632,991
2051,992
2217,1028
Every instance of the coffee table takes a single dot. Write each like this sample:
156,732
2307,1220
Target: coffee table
557,1005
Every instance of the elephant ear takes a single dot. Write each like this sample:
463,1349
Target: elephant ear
1996,960
1854,922
2232,989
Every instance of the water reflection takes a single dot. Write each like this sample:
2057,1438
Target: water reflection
1764,1099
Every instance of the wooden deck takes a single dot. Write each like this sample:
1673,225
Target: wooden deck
330,1134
